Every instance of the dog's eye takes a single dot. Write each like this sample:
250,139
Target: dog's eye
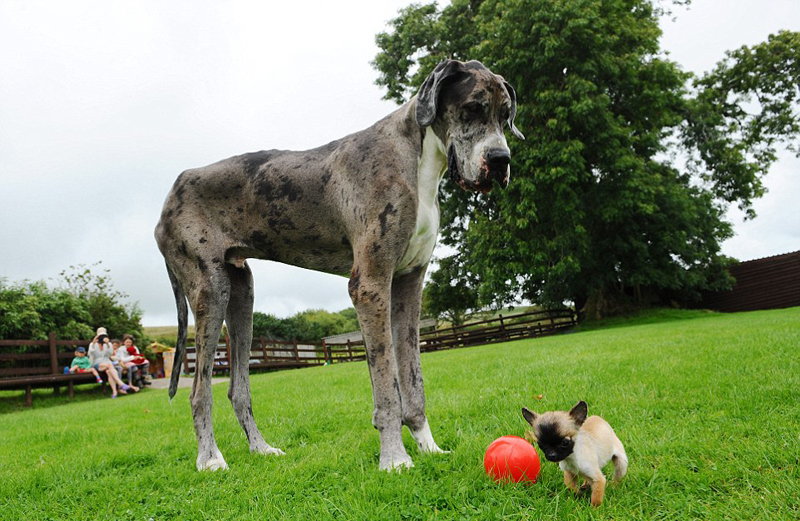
504,114
565,443
473,110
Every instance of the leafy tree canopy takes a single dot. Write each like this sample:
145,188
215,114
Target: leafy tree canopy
306,326
620,190
84,301
447,295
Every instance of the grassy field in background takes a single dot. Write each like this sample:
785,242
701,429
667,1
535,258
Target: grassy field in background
707,405
167,331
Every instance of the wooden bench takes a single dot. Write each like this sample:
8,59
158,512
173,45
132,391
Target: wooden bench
44,367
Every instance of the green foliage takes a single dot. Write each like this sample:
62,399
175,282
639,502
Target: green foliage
599,211
306,326
31,310
448,294
105,304
742,109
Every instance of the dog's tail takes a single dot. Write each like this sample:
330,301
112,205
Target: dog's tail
183,316
620,465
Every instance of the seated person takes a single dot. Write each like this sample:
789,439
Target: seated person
130,357
100,353
81,364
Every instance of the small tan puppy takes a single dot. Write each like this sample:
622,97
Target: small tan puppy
581,446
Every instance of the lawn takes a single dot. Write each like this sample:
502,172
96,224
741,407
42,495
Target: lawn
707,405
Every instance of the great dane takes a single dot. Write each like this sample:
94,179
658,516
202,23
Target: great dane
364,206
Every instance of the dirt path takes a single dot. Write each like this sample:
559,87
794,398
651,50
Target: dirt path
185,381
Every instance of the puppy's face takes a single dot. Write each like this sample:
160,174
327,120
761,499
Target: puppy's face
555,431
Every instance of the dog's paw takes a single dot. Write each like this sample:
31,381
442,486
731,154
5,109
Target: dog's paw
431,449
425,442
259,446
217,462
396,464
270,451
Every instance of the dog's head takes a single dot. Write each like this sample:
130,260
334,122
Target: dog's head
555,431
468,106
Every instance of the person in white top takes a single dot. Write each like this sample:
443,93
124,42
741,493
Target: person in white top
100,353
131,358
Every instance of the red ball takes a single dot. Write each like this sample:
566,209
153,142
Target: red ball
511,458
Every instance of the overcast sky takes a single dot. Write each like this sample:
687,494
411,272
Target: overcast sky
103,104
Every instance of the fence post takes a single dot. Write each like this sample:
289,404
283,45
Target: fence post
327,352
263,344
349,351
228,353
51,340
296,352
186,359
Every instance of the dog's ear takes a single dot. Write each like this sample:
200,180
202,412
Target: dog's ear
529,415
430,89
513,112
579,412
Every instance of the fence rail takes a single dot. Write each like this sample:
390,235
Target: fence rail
500,329
279,354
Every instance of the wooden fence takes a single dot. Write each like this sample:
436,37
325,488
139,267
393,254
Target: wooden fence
54,354
278,354
41,365
48,357
769,283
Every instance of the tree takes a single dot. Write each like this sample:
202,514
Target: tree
267,326
106,305
305,326
449,293
600,211
32,310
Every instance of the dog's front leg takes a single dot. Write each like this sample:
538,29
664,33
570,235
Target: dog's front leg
406,303
370,290
571,481
598,489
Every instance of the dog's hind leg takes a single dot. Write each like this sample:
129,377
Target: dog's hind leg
208,298
239,317
406,301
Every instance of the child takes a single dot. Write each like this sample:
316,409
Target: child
81,364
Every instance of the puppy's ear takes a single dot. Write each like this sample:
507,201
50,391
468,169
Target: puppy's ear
428,95
579,412
529,415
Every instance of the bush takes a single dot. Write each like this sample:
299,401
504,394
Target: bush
31,310
306,326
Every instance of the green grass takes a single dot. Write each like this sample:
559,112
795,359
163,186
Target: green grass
708,410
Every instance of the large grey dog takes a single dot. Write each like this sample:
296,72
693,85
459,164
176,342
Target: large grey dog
364,206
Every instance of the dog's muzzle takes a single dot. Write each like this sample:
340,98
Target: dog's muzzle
494,167
497,160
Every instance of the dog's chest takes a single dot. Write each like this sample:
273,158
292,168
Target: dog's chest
430,171
423,240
